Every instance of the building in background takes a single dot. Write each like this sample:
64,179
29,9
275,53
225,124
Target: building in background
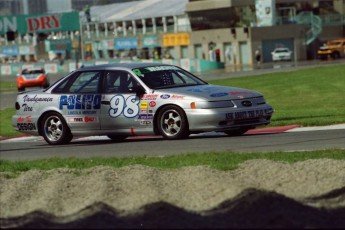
222,31
14,7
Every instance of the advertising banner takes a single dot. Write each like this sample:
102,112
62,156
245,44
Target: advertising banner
180,39
150,41
125,43
58,44
265,12
9,51
30,23
25,50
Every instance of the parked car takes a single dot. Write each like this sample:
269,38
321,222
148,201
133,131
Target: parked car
333,49
281,54
32,77
127,99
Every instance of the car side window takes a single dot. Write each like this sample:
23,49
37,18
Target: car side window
119,82
82,82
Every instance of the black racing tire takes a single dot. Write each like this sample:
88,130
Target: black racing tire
55,130
172,123
236,132
117,138
335,55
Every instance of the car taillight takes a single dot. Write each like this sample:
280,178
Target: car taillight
17,106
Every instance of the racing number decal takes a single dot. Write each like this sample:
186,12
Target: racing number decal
128,107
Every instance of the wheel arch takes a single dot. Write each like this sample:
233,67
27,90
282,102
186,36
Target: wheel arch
155,117
40,120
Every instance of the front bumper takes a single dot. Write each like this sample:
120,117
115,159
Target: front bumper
204,120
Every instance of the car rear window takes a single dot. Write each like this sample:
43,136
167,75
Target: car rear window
35,71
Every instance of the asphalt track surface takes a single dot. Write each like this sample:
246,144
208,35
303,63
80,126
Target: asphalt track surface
285,138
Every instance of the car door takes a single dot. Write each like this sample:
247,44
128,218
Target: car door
120,106
80,100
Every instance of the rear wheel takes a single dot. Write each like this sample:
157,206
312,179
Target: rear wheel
236,132
55,130
172,123
117,137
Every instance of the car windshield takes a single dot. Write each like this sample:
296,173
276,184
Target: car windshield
159,77
32,71
281,51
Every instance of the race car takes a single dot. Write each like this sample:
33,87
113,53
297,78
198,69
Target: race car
128,99
33,77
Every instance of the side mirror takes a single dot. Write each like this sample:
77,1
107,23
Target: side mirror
139,90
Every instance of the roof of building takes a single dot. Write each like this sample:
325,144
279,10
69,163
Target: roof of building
134,10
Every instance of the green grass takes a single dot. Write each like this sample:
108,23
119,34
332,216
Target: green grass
310,97
216,160
6,129
8,86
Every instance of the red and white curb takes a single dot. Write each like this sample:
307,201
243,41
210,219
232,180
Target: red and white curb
269,130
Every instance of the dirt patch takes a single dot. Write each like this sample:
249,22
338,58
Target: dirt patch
289,195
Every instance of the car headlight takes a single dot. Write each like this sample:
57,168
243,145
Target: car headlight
260,100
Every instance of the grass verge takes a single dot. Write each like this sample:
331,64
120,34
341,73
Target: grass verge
309,97
216,160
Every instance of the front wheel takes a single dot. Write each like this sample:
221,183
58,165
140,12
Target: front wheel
172,123
55,130
236,132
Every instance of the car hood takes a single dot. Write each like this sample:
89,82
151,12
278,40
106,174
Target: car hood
211,92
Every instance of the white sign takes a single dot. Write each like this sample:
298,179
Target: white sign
265,12
6,70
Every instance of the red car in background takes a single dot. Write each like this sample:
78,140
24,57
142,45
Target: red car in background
33,77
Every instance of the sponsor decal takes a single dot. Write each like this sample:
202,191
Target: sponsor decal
144,105
82,119
26,126
36,99
143,110
144,122
80,102
177,97
152,104
222,94
159,68
27,108
145,117
82,112
149,97
24,119
238,92
165,96
203,89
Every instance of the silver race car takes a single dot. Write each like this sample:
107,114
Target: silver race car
127,99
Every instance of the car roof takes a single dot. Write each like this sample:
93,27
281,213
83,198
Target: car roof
281,48
34,68
132,65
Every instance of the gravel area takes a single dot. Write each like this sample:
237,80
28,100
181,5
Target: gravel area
260,193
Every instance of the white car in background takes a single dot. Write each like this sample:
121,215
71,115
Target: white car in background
281,54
